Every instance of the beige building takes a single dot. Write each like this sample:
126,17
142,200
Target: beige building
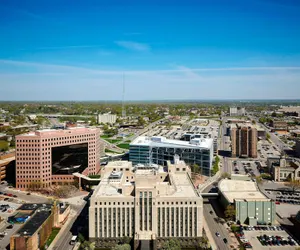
145,203
284,170
107,118
244,141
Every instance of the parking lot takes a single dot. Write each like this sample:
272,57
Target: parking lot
6,231
245,167
8,207
271,240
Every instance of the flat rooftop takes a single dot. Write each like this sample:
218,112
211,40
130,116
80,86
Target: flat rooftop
34,206
160,141
58,132
33,224
175,184
240,190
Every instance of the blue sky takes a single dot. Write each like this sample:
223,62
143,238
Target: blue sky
78,50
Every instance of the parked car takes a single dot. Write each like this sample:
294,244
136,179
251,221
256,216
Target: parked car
10,226
225,240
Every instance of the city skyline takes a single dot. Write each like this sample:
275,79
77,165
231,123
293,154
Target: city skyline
176,51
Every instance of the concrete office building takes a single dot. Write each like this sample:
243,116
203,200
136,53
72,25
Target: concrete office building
244,142
107,118
145,203
159,150
251,206
53,156
237,111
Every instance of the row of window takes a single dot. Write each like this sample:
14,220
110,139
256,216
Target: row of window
58,138
114,222
182,223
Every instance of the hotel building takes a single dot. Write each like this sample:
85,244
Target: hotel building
159,150
52,156
145,203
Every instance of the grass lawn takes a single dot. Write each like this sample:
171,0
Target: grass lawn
112,140
110,151
104,136
52,236
123,145
3,145
97,176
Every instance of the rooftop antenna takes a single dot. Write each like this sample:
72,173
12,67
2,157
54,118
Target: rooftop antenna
123,96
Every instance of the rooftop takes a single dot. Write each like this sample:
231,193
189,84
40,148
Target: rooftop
240,190
167,184
160,141
58,132
33,224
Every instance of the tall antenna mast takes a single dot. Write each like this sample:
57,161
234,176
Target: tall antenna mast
123,98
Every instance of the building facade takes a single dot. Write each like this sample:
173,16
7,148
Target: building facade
284,170
251,206
145,203
159,150
34,155
107,118
277,124
244,142
237,111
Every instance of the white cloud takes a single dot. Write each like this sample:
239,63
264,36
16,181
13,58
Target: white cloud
44,81
133,45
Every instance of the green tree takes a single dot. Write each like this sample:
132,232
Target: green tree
225,175
230,212
172,244
122,247
86,245
268,136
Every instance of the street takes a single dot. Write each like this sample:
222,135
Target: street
22,195
77,224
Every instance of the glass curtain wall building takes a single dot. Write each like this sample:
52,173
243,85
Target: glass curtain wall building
159,150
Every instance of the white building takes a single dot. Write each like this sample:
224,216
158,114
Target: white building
159,150
107,118
145,203
237,111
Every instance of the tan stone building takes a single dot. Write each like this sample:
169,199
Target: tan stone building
285,170
145,203
244,141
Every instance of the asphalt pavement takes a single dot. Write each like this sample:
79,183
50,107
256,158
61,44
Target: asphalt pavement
21,195
78,224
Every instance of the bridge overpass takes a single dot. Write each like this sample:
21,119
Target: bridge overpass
209,195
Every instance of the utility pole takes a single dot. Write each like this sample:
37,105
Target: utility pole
123,98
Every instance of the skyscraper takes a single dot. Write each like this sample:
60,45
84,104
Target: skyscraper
244,142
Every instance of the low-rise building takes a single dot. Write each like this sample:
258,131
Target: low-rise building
251,206
279,125
39,220
285,169
237,111
145,203
107,118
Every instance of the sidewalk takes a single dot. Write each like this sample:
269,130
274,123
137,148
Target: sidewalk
209,235
62,230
